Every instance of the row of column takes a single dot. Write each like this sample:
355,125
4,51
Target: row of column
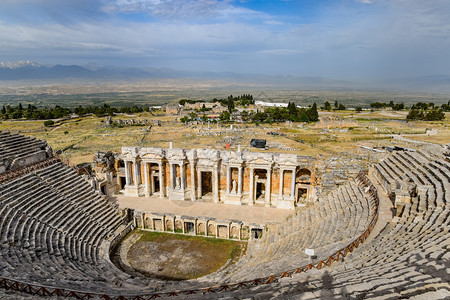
239,182
135,166
282,182
184,222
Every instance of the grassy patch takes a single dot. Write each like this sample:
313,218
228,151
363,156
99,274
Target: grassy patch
179,257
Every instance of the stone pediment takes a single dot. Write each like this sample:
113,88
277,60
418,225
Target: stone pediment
152,153
206,163
260,160
287,160
234,158
130,152
210,154
176,154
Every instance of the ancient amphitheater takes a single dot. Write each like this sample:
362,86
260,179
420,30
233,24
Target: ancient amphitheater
57,232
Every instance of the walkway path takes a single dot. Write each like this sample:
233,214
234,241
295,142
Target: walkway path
249,214
386,209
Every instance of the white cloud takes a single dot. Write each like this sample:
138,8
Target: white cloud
366,1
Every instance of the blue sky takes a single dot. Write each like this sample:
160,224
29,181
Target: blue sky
342,39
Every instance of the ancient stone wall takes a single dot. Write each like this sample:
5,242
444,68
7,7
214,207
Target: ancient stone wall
231,177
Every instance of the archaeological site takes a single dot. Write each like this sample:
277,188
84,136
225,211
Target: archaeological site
382,233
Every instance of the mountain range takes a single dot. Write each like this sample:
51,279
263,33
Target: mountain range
28,70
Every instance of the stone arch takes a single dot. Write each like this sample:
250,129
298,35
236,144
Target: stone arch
147,222
158,224
169,224
304,175
201,228
120,163
178,225
211,229
234,232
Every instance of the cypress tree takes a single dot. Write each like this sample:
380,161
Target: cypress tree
313,114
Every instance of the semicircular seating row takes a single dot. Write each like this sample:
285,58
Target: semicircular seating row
410,258
328,225
52,224
14,147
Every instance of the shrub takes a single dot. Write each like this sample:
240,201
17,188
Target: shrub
49,123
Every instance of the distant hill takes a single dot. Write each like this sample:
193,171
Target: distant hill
28,70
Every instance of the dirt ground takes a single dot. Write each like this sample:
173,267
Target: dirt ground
178,257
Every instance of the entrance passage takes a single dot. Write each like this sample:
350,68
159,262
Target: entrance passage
206,183
103,189
123,181
189,227
256,233
156,184
302,194
260,189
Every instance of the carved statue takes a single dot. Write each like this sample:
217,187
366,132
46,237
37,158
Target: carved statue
178,183
234,186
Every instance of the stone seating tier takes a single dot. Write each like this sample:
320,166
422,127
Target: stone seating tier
51,228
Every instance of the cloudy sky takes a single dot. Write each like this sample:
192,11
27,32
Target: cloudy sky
342,39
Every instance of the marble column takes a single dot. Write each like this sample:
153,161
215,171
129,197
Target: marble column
161,181
195,226
228,179
216,184
192,180
281,183
136,173
199,179
240,182
182,179
147,189
171,177
251,195
268,187
293,184
127,173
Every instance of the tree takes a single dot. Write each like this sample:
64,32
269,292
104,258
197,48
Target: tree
230,104
292,109
359,109
224,116
327,106
49,123
336,104
244,115
193,115
341,107
435,114
415,114
303,117
312,113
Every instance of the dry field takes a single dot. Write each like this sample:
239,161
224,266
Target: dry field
337,132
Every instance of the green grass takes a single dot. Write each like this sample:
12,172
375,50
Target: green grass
186,256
